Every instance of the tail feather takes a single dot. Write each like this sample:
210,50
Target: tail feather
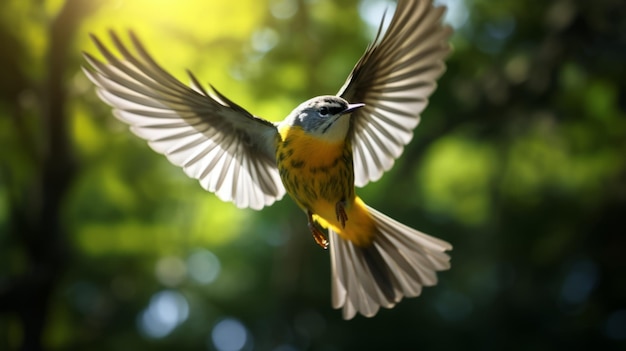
380,271
366,292
400,261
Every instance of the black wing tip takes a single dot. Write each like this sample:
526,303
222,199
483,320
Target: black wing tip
115,37
89,57
196,83
95,39
228,102
134,38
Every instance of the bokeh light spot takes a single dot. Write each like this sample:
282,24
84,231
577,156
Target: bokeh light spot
579,282
454,306
457,12
84,296
167,309
283,9
203,266
616,325
265,39
229,335
170,271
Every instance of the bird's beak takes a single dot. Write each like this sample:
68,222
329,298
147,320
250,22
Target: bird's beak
351,108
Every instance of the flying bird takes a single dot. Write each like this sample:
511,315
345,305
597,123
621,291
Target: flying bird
318,154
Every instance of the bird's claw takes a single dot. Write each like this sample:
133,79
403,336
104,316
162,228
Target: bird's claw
340,211
318,235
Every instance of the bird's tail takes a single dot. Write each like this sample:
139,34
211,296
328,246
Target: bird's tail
399,261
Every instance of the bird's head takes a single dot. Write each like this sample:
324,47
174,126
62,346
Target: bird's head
325,117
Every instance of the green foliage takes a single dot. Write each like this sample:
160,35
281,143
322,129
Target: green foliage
518,162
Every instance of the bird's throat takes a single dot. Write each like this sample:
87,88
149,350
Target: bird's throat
302,147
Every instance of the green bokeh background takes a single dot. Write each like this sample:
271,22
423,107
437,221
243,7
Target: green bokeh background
519,162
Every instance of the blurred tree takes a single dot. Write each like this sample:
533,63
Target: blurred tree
35,203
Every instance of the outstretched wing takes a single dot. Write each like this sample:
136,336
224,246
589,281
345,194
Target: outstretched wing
230,152
394,78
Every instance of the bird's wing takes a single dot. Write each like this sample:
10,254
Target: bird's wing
394,78
229,151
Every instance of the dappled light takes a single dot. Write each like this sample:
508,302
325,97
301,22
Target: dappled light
519,161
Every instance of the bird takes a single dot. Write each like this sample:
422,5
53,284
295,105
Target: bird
318,154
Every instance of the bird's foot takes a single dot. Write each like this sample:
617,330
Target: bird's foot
340,211
318,235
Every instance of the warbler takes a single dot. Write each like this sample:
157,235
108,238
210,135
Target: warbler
317,154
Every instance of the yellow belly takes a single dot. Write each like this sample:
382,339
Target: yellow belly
360,227
318,175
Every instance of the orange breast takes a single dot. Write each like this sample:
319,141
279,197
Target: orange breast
315,172
317,175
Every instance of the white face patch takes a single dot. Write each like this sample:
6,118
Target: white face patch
335,132
323,117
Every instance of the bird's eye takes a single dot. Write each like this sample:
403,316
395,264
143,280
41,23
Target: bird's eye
324,111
